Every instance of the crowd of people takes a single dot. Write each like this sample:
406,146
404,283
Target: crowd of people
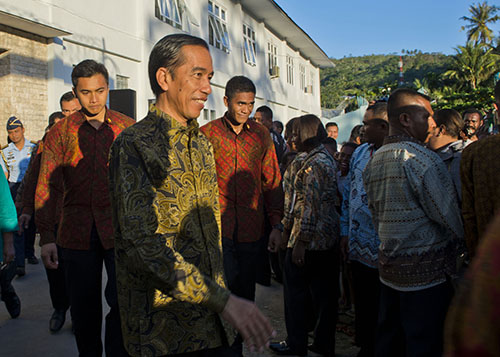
187,220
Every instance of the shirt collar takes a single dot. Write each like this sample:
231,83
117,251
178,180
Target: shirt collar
225,120
80,118
400,138
192,124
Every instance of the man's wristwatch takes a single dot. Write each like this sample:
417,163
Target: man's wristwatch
279,227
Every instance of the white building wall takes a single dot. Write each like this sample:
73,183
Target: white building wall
121,34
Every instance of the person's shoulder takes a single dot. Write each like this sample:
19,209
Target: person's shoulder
120,118
208,127
5,146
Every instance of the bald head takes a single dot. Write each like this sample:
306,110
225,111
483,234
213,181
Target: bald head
410,114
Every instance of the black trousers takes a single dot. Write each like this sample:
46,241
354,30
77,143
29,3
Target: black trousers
57,284
318,277
6,275
83,271
366,286
411,323
240,268
29,239
223,351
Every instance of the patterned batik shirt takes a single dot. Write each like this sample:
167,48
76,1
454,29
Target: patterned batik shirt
289,191
168,249
74,165
415,211
315,219
356,219
480,176
249,178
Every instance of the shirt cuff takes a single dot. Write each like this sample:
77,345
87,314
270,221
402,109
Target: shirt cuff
217,299
46,238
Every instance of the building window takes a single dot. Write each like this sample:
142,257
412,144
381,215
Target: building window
170,12
121,82
310,86
289,69
217,28
209,114
249,45
272,60
302,73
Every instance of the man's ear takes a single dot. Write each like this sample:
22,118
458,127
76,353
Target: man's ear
163,77
405,120
226,101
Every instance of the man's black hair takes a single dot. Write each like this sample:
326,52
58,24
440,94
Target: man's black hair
239,84
266,111
66,97
396,99
167,53
472,111
86,69
278,123
332,123
332,142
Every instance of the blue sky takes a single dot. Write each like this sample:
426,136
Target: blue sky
362,27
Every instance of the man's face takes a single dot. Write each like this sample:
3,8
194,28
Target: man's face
263,119
240,106
92,92
374,128
344,158
421,124
69,107
472,122
332,131
277,128
189,87
16,135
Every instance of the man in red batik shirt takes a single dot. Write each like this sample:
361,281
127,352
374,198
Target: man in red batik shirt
75,164
249,179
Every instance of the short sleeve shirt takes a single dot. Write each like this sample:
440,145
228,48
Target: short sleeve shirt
15,161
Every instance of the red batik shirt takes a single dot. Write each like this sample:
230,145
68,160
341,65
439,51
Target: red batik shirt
75,164
248,176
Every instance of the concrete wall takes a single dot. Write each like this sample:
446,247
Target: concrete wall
23,82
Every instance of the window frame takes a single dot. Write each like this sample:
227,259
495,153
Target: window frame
218,35
289,70
249,45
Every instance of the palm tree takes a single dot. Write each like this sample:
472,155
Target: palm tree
472,65
482,15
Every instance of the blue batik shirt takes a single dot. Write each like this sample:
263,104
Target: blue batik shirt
356,219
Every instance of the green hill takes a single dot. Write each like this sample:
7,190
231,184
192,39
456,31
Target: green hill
371,76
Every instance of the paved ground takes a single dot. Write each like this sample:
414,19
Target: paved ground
29,336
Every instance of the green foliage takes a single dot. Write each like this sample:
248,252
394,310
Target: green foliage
482,15
375,76
472,65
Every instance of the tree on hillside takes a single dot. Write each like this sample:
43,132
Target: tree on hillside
472,65
482,15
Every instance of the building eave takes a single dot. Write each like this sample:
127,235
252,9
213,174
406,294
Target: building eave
282,26
30,26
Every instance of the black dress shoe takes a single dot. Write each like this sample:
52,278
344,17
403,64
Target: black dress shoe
32,260
20,271
57,320
282,349
313,348
13,305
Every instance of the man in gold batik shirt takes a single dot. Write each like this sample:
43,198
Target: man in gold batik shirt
171,289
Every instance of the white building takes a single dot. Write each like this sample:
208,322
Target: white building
41,41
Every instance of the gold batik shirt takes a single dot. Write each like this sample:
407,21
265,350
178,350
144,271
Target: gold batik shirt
166,220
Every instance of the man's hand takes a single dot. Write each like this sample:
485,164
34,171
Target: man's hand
247,319
344,247
49,256
274,240
24,221
299,253
285,237
8,247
